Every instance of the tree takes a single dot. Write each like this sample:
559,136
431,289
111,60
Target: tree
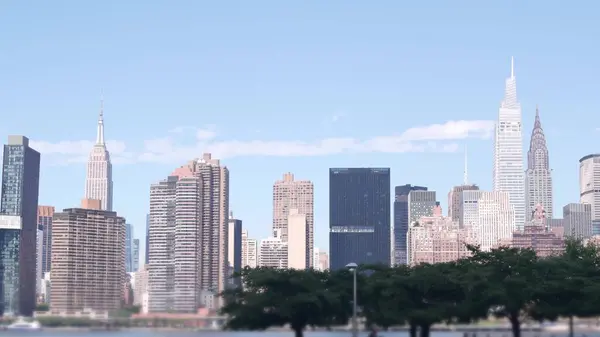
383,297
470,306
434,295
571,285
277,297
512,279
419,296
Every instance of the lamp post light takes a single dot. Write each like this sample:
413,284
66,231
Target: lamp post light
353,268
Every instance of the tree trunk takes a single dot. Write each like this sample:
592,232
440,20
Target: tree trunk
571,327
412,331
298,332
425,329
515,324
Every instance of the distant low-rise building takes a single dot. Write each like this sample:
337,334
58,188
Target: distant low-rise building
537,237
438,239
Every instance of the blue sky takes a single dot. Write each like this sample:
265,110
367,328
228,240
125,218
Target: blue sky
300,86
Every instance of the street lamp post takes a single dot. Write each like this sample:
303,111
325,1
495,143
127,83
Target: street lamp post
353,268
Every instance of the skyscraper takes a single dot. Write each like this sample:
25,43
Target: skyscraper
128,248
175,245
234,246
578,220
538,177
38,260
188,235
98,183
359,216
508,150
18,227
489,215
401,221
249,251
420,204
147,249
294,194
135,258
45,214
82,280
589,184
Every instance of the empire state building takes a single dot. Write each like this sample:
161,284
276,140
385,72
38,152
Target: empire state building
98,182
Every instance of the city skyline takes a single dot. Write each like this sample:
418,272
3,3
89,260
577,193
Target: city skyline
468,85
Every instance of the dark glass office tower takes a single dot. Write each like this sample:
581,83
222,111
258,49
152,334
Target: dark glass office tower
401,221
359,216
18,227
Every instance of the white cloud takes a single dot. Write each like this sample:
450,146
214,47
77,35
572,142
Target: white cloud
430,138
207,133
69,152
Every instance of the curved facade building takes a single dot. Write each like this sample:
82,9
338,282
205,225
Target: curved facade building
589,183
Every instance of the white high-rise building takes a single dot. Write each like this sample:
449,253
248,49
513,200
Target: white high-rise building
508,174
188,236
538,177
249,251
273,252
589,183
98,182
490,215
174,250
297,247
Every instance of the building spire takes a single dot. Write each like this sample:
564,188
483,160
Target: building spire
466,172
537,145
510,90
512,67
100,131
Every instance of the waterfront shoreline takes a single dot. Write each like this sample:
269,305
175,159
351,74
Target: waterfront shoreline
469,331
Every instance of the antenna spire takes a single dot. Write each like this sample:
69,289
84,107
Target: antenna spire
466,172
512,67
100,131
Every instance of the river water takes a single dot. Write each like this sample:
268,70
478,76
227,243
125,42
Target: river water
150,333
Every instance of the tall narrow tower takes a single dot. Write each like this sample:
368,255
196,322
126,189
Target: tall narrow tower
98,183
538,177
508,150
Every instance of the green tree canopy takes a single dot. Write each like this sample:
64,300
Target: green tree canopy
512,281
571,285
278,297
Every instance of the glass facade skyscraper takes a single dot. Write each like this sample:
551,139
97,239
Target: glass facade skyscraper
401,211
359,216
18,227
